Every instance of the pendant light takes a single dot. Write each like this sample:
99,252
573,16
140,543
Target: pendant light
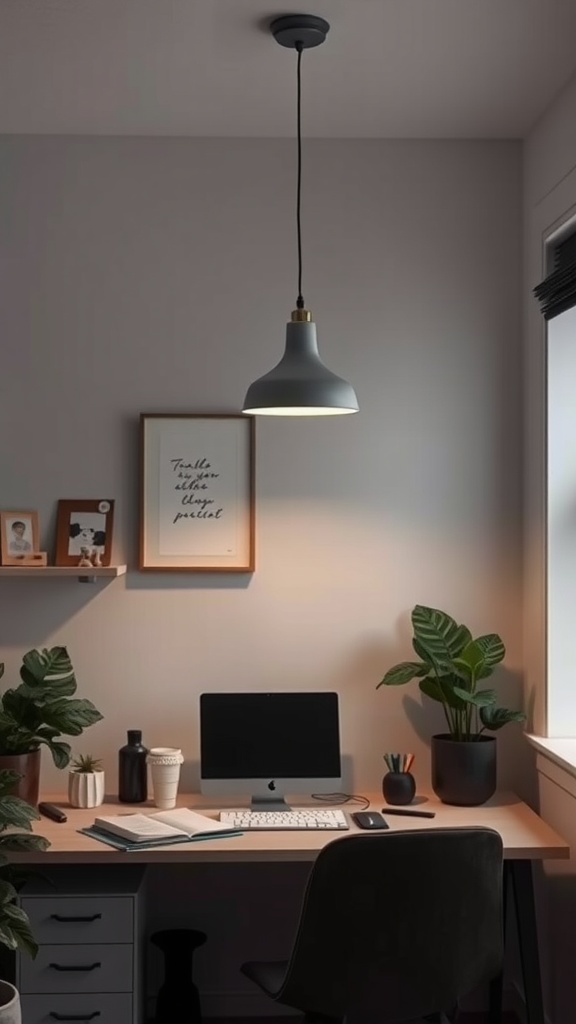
300,385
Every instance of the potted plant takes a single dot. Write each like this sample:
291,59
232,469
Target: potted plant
15,932
452,669
86,781
39,711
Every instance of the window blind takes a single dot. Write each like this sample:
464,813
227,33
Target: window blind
557,292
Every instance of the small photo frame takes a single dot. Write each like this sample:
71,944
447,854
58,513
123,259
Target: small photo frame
19,536
84,523
197,492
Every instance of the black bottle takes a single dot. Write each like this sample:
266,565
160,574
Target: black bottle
132,770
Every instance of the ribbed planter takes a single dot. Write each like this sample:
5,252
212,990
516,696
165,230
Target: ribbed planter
463,773
85,789
28,766
10,1012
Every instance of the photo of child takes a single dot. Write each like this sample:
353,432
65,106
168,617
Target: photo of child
18,541
18,536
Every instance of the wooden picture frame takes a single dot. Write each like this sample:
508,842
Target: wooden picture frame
19,537
84,523
197,500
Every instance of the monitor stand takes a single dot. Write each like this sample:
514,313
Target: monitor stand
269,803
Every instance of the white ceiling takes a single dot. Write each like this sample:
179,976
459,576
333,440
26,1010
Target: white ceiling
389,68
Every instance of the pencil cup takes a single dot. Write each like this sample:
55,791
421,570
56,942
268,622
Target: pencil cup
398,787
165,772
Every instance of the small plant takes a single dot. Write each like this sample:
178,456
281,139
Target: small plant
15,932
452,666
42,708
85,763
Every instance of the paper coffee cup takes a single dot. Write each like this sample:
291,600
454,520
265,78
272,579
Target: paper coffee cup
165,765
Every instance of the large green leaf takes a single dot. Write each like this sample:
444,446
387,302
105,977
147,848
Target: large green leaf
45,733
15,931
7,893
22,842
494,718
439,636
48,672
471,661
12,700
57,660
430,687
61,686
35,666
8,780
61,753
403,673
6,720
16,812
492,648
70,716
480,699
484,671
419,649
442,690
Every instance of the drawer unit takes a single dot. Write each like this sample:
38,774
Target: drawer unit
79,1009
79,968
90,936
80,918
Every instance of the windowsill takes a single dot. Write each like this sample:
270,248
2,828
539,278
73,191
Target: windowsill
562,751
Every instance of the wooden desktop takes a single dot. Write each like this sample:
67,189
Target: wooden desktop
526,838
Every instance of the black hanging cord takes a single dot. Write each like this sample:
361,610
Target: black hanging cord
299,48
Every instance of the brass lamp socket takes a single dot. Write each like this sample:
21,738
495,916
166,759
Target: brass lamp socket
301,316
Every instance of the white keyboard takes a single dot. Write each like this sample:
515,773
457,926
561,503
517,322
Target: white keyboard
299,820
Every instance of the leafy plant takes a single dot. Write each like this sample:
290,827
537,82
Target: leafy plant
86,764
42,708
15,932
452,667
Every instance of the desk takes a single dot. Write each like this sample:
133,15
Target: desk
525,836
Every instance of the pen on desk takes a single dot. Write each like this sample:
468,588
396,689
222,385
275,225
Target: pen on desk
409,814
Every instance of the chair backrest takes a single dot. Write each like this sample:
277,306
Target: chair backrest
398,925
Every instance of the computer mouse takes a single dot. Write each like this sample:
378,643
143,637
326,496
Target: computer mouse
368,819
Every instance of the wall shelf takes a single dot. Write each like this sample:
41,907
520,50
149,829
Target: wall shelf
80,573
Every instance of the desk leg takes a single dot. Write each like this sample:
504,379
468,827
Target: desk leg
520,876
496,990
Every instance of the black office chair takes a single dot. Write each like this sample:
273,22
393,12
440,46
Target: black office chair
394,927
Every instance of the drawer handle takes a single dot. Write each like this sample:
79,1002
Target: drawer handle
89,917
74,1016
75,967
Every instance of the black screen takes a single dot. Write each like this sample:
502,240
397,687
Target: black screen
269,736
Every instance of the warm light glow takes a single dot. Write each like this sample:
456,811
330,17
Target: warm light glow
298,411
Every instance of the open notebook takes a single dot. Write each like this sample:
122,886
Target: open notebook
142,831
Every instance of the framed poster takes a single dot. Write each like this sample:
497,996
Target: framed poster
197,493
84,529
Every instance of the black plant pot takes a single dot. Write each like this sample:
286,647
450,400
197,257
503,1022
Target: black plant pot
463,773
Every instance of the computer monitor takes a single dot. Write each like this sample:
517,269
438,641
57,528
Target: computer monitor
269,744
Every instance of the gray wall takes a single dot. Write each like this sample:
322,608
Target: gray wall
157,275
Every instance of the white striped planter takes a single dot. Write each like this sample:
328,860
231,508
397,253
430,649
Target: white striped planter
85,789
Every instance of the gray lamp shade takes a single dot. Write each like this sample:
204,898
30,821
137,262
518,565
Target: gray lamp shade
300,384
